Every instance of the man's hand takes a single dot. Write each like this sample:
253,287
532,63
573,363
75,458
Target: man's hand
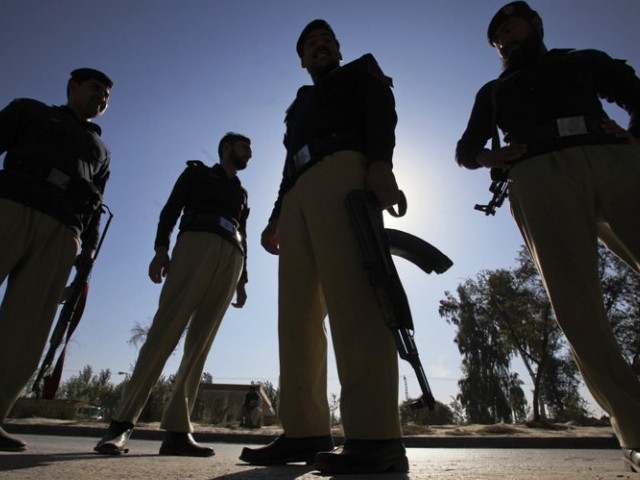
241,296
85,258
612,128
159,266
270,239
381,181
502,158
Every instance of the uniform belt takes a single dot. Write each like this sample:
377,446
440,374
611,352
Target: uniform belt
83,194
214,221
302,158
561,128
51,174
320,147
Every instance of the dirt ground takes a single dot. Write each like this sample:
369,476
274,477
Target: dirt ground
553,430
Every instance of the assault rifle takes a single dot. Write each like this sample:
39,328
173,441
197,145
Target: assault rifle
73,303
378,244
500,191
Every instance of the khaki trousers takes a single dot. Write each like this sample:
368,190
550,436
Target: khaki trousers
320,272
38,253
202,279
563,202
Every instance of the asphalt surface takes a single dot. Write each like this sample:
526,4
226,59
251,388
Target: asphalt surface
71,458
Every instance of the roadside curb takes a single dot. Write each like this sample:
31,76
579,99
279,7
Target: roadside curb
410,441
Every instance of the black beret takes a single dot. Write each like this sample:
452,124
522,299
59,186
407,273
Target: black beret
317,24
82,74
513,9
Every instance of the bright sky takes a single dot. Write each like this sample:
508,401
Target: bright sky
188,71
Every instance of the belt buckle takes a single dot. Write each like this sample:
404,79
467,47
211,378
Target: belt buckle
570,126
303,157
229,227
58,178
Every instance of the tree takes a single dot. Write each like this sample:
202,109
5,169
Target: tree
138,334
621,293
507,312
158,398
441,414
334,407
560,384
518,302
272,393
485,356
457,410
94,389
500,314
517,399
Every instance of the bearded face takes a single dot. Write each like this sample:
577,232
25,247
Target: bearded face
519,42
321,53
239,155
523,52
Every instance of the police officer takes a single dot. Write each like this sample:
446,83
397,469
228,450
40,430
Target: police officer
251,412
208,265
574,179
55,171
339,137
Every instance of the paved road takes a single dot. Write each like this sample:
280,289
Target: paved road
71,458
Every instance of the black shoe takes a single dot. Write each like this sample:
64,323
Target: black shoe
115,441
364,456
285,450
632,458
11,443
182,444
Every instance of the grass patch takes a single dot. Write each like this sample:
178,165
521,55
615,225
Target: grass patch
498,429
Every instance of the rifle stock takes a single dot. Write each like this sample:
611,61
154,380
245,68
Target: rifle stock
377,245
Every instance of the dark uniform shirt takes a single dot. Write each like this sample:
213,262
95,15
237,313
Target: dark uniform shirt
40,139
351,108
252,399
525,103
206,197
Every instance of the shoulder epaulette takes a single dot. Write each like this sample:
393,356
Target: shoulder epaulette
374,69
301,91
195,163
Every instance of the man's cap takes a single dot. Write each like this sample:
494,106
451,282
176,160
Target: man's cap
317,24
513,9
82,74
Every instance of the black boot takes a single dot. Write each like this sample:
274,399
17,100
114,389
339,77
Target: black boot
11,443
364,456
287,450
115,441
182,444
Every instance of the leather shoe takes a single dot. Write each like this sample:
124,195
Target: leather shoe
285,450
182,444
364,456
11,443
115,441
632,458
